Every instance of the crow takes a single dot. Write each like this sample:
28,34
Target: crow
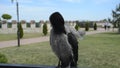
63,43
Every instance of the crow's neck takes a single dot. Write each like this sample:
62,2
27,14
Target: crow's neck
59,30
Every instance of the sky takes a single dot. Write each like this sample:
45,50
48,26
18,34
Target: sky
92,10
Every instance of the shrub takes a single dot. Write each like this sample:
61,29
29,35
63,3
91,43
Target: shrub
45,30
3,58
77,27
21,30
95,26
87,26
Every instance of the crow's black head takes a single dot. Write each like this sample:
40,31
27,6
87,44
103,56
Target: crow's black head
57,23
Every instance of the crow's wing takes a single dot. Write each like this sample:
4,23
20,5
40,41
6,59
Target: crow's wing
74,44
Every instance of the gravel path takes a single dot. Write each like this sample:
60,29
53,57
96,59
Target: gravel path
23,41
39,39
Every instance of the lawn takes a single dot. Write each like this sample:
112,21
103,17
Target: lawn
95,51
6,37
100,51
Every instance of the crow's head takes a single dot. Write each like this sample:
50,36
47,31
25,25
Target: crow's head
57,23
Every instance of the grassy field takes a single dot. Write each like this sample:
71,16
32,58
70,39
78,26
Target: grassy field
95,51
6,37
100,51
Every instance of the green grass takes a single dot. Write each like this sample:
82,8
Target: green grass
39,53
100,51
95,51
6,37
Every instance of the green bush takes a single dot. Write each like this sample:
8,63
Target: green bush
95,26
21,30
87,26
77,27
3,58
45,30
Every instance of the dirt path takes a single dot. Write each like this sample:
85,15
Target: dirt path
23,41
40,39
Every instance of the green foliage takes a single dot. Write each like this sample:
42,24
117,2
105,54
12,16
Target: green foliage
21,30
3,58
116,16
6,16
87,26
77,27
45,30
9,25
95,26
28,25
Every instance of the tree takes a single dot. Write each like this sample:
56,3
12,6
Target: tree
45,30
6,16
112,22
18,32
116,16
95,26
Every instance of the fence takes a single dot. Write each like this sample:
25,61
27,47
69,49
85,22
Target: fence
28,27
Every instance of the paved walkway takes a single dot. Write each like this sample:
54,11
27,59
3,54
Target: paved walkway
40,39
